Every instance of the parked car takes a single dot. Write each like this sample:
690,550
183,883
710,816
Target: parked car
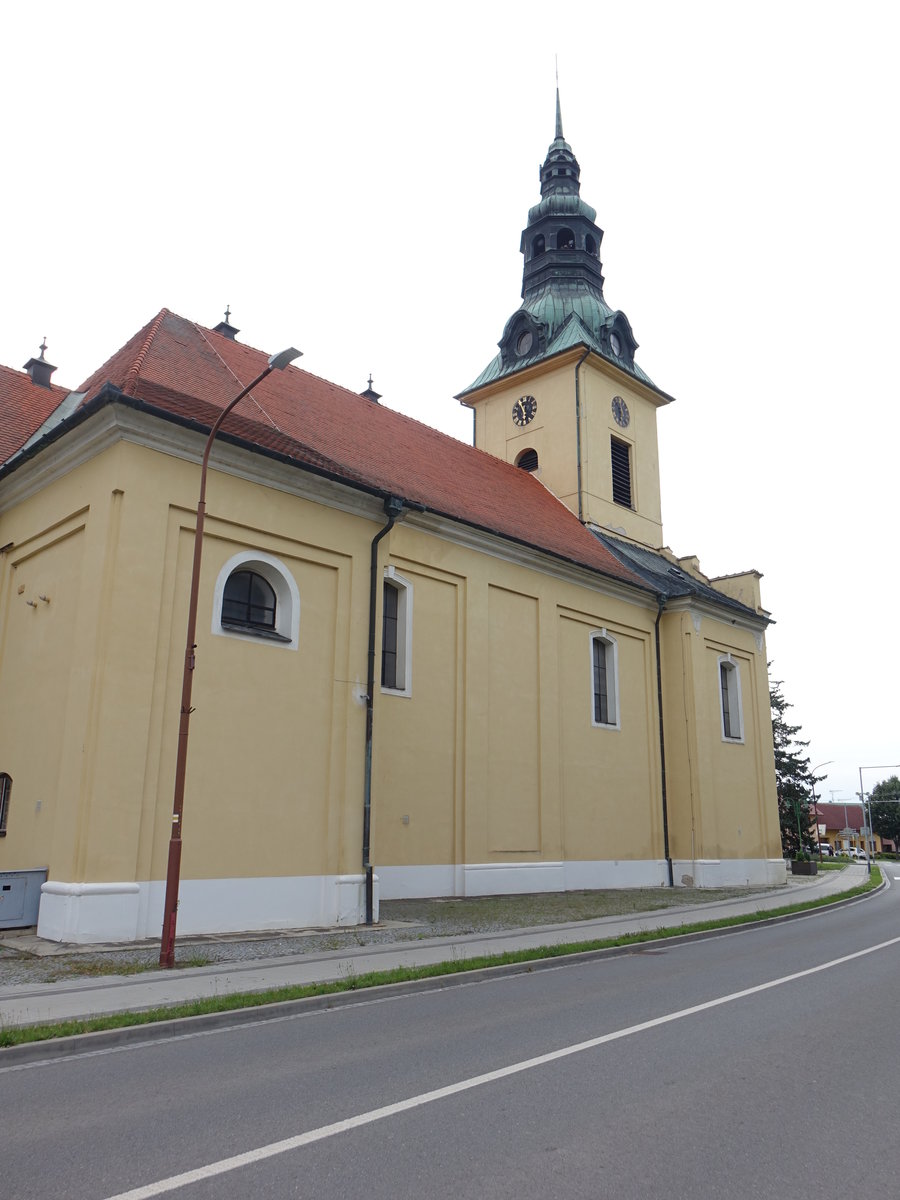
857,854
826,850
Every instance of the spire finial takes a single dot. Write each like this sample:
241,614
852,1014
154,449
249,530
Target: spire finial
559,129
43,347
228,313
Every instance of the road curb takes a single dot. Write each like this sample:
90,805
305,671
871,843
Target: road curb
101,1041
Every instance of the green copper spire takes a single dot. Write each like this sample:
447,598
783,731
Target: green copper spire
562,279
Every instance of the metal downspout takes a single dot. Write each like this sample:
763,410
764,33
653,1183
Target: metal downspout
662,744
393,508
578,431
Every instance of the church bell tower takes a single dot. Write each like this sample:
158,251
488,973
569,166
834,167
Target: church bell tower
564,397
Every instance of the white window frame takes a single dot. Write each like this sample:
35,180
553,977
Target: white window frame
612,678
287,599
404,631
735,705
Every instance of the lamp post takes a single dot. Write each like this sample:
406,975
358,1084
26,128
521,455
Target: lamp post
173,872
867,807
815,803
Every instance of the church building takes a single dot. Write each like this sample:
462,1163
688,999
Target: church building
420,668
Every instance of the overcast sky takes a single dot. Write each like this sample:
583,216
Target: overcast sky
353,179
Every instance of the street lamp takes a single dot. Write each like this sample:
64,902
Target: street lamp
815,803
173,872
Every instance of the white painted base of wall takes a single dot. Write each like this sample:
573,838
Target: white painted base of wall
517,878
87,913
729,872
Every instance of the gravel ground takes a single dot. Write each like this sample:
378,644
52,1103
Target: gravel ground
23,959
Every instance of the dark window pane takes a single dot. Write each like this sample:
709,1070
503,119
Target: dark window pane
726,704
5,791
601,691
389,630
249,600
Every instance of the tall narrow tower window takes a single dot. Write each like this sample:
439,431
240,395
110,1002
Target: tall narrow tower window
620,455
565,240
389,638
538,246
605,681
396,635
730,694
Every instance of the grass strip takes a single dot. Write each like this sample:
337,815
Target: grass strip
22,1034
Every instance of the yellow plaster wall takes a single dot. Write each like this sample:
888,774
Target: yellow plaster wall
93,689
721,794
502,754
608,777
644,521
553,435
417,738
37,660
493,756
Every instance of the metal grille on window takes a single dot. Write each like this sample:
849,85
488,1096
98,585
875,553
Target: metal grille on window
248,600
724,672
620,455
389,637
601,685
5,791
528,460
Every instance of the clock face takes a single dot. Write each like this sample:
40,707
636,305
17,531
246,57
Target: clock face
620,411
524,410
524,342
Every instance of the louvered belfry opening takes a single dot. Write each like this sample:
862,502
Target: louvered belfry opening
620,454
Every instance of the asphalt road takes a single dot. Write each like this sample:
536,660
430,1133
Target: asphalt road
755,1064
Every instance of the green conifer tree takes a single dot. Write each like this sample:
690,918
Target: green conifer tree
793,780
885,806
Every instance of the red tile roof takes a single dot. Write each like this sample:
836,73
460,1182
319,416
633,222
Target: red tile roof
180,367
839,816
24,407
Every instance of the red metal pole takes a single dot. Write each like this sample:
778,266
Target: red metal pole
173,870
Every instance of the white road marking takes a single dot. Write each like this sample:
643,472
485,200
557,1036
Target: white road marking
224,1165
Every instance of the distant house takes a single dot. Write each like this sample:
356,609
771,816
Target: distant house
441,669
841,825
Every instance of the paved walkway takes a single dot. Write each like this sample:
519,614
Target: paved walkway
76,998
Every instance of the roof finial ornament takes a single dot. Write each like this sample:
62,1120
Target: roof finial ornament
370,393
225,327
559,129
39,369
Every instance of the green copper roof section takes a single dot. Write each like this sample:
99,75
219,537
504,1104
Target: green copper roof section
562,280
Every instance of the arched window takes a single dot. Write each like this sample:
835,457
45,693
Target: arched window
730,699
396,634
528,460
590,245
248,600
257,598
5,793
565,240
604,680
538,246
